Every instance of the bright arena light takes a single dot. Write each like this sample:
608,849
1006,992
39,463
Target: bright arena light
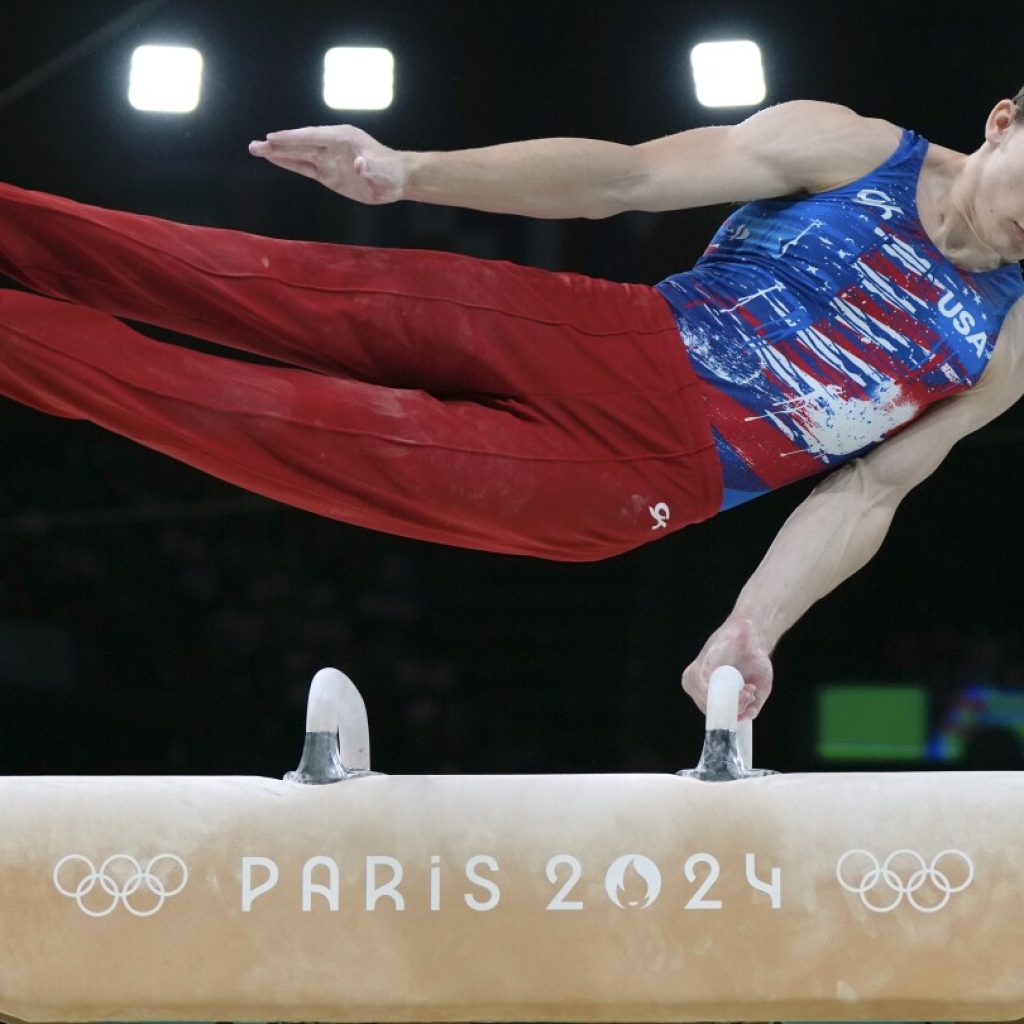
728,74
359,78
165,78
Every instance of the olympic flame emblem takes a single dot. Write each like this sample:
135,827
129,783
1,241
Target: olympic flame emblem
622,878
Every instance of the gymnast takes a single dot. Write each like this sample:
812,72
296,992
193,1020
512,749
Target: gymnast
847,316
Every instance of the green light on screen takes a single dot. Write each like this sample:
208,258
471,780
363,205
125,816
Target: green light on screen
863,721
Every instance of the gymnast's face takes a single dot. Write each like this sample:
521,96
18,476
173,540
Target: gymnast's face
998,205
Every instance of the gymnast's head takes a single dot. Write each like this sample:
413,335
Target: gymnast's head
989,193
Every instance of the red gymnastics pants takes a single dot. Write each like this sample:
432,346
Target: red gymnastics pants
463,401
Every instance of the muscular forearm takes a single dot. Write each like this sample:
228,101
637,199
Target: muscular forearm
539,178
831,535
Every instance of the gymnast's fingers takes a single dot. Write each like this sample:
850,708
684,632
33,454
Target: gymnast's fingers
304,152
323,135
757,688
304,167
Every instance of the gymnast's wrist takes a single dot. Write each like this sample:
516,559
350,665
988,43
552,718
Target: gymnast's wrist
418,174
763,625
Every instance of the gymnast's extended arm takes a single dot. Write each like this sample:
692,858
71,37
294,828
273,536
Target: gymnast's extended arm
839,527
792,147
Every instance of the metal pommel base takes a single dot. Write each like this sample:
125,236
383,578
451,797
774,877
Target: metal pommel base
322,762
720,761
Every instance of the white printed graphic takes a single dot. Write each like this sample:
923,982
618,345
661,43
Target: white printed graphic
904,873
877,198
661,513
747,299
120,879
832,424
810,227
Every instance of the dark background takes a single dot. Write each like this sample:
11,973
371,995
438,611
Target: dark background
154,620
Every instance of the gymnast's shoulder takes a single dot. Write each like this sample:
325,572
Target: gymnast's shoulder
800,146
818,146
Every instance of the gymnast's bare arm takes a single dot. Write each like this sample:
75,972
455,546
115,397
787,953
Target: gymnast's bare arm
800,146
841,524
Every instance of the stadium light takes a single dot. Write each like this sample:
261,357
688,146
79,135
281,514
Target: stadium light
359,78
166,79
728,74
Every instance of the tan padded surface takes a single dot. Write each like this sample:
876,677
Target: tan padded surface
558,898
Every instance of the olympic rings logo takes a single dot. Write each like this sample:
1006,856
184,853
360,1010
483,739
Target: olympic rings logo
887,879
120,879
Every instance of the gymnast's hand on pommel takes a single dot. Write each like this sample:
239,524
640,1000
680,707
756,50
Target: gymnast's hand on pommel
341,157
736,642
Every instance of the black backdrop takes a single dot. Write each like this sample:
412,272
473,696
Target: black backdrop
159,621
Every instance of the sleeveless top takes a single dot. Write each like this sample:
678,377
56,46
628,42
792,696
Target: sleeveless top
819,325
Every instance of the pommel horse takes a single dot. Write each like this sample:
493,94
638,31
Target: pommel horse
340,894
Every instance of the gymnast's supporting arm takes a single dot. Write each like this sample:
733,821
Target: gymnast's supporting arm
839,527
796,146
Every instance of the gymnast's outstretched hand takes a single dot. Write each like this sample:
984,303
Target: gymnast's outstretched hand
736,642
341,157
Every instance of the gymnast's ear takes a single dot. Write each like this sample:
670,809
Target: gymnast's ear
1004,116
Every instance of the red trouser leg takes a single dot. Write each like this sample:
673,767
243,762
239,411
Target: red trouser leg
458,400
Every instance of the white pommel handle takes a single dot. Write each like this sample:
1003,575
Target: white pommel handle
335,705
724,698
745,742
